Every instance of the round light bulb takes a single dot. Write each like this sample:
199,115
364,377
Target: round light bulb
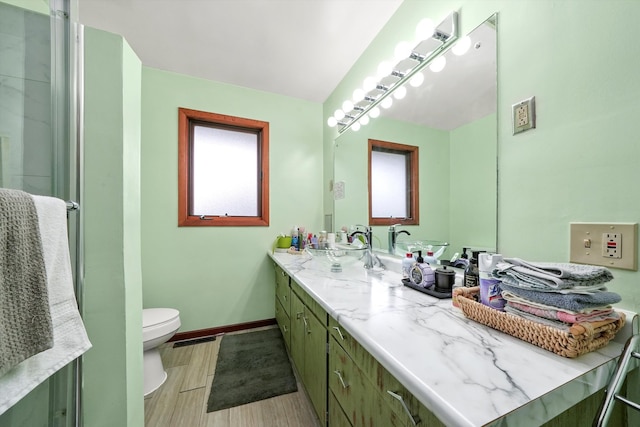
332,122
425,29
400,92
462,46
387,102
438,64
384,69
417,79
364,120
358,95
402,51
339,114
356,127
347,106
369,84
374,112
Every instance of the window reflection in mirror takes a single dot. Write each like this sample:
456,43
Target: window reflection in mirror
393,183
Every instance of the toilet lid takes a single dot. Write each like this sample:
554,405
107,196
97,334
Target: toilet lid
156,316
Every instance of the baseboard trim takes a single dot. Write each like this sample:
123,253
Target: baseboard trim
200,333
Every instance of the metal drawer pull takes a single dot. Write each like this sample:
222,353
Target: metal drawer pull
299,315
344,385
339,332
306,324
414,418
283,274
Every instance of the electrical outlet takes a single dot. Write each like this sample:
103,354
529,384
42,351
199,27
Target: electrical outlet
612,245
608,244
524,117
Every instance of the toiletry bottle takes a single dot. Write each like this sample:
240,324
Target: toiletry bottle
407,263
471,273
294,240
421,274
301,240
490,292
430,259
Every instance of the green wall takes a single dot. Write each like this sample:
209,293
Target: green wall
112,389
218,276
41,6
580,164
473,186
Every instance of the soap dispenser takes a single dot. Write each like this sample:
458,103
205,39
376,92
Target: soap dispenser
471,273
421,273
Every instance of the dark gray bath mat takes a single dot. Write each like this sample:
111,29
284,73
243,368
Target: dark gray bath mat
251,366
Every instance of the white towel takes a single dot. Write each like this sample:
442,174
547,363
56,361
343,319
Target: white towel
69,335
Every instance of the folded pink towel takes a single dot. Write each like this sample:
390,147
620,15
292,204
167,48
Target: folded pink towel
594,316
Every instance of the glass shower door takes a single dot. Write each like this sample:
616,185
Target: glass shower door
37,153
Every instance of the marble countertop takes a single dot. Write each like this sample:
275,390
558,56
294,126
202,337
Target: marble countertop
466,373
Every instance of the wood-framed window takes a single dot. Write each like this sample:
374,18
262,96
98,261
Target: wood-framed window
393,183
223,170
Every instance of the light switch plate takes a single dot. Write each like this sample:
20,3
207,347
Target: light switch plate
613,245
524,115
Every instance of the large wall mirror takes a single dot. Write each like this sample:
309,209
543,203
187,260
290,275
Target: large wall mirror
451,118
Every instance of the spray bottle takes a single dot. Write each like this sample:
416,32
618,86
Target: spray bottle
490,292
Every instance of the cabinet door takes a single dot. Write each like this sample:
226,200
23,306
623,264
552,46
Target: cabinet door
315,364
337,418
298,333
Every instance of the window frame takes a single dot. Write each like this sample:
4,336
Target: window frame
412,153
186,117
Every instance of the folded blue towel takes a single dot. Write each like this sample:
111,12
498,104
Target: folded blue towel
551,276
573,302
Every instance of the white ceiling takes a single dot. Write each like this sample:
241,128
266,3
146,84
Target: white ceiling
297,48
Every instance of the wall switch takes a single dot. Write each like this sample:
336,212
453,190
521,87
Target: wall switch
524,115
611,245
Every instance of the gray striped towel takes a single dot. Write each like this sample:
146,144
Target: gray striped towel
25,318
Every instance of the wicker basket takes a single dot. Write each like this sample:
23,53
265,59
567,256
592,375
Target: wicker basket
580,339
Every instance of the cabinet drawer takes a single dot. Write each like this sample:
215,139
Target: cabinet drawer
343,338
358,398
311,303
284,323
283,292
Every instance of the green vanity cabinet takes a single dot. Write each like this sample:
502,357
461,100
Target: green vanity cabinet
283,291
283,305
365,390
308,348
353,391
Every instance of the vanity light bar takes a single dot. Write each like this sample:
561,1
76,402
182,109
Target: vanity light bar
422,61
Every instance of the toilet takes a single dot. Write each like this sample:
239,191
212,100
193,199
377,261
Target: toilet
158,326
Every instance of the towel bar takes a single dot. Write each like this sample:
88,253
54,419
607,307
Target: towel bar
611,395
72,206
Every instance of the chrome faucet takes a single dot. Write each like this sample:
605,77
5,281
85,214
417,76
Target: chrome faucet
371,259
393,236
